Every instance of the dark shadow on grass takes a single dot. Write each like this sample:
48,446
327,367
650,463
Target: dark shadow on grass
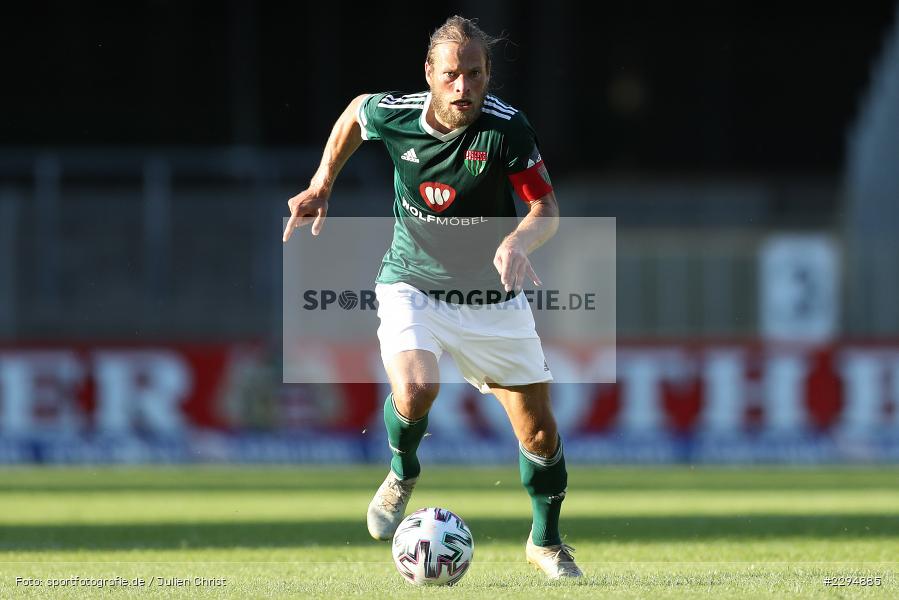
108,480
338,533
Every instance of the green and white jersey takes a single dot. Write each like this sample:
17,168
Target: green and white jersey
453,192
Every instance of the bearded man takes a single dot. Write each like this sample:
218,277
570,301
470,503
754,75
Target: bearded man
461,156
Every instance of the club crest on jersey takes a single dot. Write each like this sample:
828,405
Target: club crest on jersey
438,196
475,161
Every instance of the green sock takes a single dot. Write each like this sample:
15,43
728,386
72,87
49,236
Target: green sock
403,436
545,479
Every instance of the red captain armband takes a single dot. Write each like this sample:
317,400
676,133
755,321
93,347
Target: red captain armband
532,183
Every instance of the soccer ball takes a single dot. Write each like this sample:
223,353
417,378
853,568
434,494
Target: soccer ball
432,546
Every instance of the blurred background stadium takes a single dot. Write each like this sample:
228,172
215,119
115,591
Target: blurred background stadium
751,160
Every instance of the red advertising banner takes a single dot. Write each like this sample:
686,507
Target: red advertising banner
679,388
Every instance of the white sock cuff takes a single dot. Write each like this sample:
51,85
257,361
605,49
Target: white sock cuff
401,417
542,460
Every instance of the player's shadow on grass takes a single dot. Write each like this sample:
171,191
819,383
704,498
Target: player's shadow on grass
337,533
482,481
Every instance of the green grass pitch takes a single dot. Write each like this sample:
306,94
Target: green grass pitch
300,532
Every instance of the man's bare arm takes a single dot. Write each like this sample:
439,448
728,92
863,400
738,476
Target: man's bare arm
311,205
539,225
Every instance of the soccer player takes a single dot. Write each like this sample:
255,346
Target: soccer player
459,155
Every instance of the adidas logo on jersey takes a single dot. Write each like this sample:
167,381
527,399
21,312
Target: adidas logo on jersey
410,155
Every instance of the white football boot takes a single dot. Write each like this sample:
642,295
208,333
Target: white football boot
389,505
556,561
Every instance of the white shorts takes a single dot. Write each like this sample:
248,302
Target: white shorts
491,343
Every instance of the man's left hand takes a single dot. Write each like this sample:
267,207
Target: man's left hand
514,267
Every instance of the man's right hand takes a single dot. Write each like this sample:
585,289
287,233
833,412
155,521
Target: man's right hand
309,206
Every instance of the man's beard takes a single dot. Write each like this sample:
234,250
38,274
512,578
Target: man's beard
455,118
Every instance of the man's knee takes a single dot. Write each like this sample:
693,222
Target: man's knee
541,441
413,399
